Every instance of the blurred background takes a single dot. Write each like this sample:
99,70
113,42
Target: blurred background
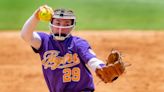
134,27
91,14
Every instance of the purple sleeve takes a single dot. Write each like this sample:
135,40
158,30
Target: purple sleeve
84,50
43,38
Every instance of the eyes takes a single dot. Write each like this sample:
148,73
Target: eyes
62,22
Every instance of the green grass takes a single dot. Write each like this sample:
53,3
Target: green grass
91,14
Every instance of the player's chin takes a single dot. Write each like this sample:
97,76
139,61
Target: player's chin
62,34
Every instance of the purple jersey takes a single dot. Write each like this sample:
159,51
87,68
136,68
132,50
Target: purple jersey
64,64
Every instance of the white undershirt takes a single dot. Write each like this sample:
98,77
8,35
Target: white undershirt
94,63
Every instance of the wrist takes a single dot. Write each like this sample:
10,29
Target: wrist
34,17
95,63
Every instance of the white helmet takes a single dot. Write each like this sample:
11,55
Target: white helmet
62,14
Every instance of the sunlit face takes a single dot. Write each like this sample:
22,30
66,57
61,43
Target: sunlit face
61,23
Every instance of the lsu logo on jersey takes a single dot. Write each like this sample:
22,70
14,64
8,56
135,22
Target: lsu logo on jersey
52,60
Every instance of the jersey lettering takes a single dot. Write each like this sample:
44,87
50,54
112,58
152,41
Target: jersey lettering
53,61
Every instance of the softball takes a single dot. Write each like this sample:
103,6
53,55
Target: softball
45,13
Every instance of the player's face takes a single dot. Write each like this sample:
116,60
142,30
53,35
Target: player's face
61,23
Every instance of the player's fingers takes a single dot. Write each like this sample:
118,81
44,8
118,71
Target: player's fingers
44,6
48,9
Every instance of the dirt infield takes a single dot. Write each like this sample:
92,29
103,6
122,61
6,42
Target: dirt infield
20,67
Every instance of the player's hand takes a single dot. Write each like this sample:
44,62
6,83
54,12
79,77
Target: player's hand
43,13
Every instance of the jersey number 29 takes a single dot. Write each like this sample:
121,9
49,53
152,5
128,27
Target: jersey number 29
71,74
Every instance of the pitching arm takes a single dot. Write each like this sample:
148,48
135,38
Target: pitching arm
28,34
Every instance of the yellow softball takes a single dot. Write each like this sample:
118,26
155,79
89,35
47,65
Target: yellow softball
45,13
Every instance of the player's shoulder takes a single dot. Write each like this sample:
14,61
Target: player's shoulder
79,40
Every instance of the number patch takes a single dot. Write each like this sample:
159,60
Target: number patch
71,74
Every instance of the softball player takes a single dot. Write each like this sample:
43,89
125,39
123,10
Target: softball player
64,56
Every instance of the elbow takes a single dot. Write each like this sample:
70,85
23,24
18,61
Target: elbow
25,35
22,34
